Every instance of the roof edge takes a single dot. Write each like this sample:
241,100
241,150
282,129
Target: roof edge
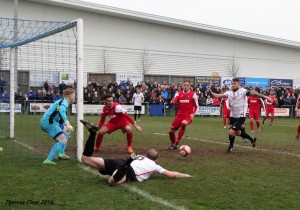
129,14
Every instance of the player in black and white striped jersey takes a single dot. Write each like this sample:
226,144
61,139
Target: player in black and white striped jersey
237,98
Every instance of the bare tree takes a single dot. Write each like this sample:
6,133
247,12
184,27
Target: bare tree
234,68
104,62
144,64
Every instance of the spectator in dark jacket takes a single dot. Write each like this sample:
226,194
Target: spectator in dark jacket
62,86
31,95
4,97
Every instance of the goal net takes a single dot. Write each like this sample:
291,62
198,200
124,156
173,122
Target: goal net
38,60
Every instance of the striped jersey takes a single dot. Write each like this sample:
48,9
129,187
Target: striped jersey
238,102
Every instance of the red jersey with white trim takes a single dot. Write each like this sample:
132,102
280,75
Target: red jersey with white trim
143,167
116,114
271,104
187,103
254,103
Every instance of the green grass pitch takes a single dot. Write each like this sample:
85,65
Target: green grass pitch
267,177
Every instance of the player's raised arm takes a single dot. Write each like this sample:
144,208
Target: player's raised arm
215,95
254,93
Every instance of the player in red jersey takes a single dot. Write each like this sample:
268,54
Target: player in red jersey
254,104
270,108
187,102
119,119
296,109
226,111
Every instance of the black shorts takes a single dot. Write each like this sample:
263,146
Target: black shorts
137,108
236,123
113,164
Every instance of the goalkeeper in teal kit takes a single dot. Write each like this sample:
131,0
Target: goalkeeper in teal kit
52,122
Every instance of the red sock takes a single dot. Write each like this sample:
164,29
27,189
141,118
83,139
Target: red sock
251,126
298,131
265,118
257,124
180,134
272,119
172,137
224,121
129,139
99,140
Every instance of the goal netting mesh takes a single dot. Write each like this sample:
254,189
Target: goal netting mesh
38,60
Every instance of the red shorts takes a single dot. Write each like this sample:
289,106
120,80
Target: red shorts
178,120
269,110
254,114
113,126
226,113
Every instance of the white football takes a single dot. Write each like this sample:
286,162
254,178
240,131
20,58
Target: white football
184,150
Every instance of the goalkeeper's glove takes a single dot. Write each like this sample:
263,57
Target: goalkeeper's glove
69,126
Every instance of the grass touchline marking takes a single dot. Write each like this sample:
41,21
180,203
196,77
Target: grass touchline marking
131,188
136,190
214,142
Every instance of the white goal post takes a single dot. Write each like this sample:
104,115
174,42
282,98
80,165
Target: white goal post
14,43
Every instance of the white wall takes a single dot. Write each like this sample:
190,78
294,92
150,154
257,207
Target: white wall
173,51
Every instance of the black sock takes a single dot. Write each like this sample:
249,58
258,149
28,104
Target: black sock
134,116
89,145
139,115
231,139
245,135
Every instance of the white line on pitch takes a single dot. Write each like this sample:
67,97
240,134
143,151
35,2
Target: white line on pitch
214,142
131,188
136,190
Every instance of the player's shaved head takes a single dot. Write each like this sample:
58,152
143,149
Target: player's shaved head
152,154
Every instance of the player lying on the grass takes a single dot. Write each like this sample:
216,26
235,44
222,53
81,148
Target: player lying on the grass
187,101
296,109
237,98
52,121
119,119
135,168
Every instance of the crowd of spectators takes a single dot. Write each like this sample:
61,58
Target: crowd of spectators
154,93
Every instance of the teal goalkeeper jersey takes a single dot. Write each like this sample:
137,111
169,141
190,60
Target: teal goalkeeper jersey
62,109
